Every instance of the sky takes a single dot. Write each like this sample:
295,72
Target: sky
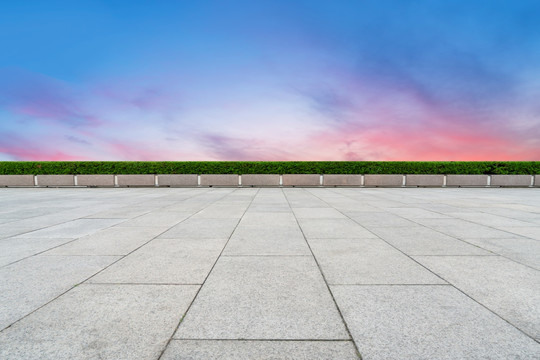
270,80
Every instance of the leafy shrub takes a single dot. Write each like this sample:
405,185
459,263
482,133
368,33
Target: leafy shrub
269,167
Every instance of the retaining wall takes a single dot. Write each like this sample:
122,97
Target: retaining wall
269,180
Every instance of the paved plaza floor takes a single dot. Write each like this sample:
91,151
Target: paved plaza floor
269,273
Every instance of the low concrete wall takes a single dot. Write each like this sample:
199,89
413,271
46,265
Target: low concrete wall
383,180
16,180
260,180
136,180
511,180
219,180
343,180
467,180
55,180
424,180
271,180
95,180
178,180
301,180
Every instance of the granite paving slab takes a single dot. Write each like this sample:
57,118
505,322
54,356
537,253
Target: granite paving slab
72,229
263,298
14,249
507,288
165,261
419,240
367,261
201,229
100,322
522,250
158,218
427,322
333,228
116,240
261,350
28,284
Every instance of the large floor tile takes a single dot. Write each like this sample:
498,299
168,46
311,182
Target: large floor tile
158,219
166,261
367,261
116,240
14,249
519,249
276,239
100,322
419,240
202,229
318,213
73,229
31,283
506,287
260,350
263,298
532,232
427,322
333,229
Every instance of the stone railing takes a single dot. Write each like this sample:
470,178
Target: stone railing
269,180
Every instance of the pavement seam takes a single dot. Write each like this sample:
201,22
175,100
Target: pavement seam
207,275
448,282
325,281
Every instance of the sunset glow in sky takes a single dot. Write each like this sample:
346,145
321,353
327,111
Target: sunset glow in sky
270,80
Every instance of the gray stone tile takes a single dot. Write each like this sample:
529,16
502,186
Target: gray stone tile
116,240
13,249
318,213
9,230
165,261
419,240
31,283
333,228
427,322
417,213
73,229
490,219
261,350
507,288
100,322
263,298
158,218
523,250
267,239
532,232
269,218
367,261
202,229
376,219
462,229
221,212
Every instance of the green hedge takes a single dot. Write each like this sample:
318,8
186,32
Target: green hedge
269,167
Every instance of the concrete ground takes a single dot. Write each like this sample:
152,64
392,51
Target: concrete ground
294,273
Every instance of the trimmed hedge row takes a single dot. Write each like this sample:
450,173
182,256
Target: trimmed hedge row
269,167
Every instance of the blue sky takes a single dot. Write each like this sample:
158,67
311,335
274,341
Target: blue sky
270,80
